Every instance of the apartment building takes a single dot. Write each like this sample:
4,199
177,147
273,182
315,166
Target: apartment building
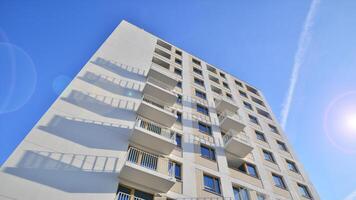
146,120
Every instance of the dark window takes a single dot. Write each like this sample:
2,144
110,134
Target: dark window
243,93
222,75
273,128
178,61
164,45
179,140
198,81
214,79
241,193
207,152
248,105
195,61
178,52
176,168
204,128
202,109
260,102
212,69
264,113
200,94
253,119
198,71
212,184
179,84
179,117
260,136
268,156
226,85
253,90
178,71
163,53
179,99
216,90
282,146
229,95
238,83
292,166
278,181
304,191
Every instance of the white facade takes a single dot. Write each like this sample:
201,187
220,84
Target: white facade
116,123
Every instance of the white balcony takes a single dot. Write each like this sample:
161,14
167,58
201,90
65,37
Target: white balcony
225,104
163,75
231,121
153,136
153,109
237,143
159,90
149,170
124,196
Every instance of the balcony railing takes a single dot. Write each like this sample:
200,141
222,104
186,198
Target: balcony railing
225,114
124,196
150,161
233,134
148,100
156,128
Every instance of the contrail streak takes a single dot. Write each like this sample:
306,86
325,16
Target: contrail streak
303,43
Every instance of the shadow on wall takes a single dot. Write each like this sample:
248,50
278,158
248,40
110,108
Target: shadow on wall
103,105
116,86
74,173
135,73
89,133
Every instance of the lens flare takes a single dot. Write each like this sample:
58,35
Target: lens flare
351,123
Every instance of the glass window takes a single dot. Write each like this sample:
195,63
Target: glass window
278,181
179,99
258,101
251,170
222,75
195,61
260,136
179,84
143,195
178,52
243,93
248,105
204,128
273,128
264,113
241,193
178,71
268,156
198,71
198,81
226,85
200,94
228,95
238,83
212,184
179,117
292,166
282,146
207,152
177,169
304,191
179,140
253,90
253,119
202,109
178,61
210,68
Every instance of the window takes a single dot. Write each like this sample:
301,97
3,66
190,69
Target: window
268,156
207,152
260,136
241,193
226,85
304,191
179,117
216,90
282,146
228,95
164,45
212,69
179,99
247,105
261,197
179,140
178,61
204,128
249,169
214,79
178,71
238,83
242,93
195,61
202,109
176,168
251,89
264,113
278,181
260,102
199,81
273,128
200,94
253,119
198,71
179,84
222,75
292,166
212,183
178,52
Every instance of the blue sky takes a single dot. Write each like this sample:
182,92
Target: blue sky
43,45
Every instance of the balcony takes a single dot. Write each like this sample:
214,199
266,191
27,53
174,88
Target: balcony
150,108
160,90
162,74
225,104
153,136
146,169
231,121
237,143
124,196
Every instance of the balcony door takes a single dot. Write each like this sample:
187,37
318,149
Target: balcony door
241,193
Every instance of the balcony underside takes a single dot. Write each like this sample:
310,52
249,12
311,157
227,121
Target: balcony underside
162,75
238,147
156,181
223,105
167,97
156,114
231,123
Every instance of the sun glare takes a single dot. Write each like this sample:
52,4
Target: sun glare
351,123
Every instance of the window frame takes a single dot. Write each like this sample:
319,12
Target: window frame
305,190
211,152
270,154
280,181
207,127
202,109
216,188
259,133
201,95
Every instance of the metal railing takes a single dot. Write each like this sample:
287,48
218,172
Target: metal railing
149,100
225,114
155,128
242,136
124,196
150,161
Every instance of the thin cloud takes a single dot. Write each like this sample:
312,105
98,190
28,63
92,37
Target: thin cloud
351,196
303,43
